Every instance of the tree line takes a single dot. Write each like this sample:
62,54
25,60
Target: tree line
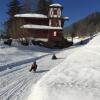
87,26
26,6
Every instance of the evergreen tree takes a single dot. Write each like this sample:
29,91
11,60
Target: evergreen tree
13,8
73,31
29,6
49,2
26,6
43,6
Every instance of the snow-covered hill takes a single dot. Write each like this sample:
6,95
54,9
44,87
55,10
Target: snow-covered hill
13,54
76,78
15,79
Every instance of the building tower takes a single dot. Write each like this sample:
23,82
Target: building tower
56,20
41,27
55,11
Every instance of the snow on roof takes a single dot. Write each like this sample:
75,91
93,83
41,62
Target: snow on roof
31,15
65,17
32,26
61,17
74,78
56,5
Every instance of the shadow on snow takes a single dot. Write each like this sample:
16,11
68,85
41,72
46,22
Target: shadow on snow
19,63
42,71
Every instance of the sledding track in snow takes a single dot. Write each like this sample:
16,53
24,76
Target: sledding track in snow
13,87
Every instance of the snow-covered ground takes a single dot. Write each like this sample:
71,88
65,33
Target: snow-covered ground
77,77
13,54
78,39
15,79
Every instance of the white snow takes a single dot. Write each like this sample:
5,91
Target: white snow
76,78
15,79
41,39
66,18
16,54
32,26
34,15
78,40
56,5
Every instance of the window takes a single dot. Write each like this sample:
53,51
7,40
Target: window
55,12
55,33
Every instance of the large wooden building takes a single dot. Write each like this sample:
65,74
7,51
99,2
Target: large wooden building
40,26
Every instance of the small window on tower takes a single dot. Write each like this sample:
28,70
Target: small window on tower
55,33
55,11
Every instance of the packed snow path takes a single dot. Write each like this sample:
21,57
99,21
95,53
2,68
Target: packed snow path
15,84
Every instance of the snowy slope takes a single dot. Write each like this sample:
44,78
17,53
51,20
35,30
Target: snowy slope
76,78
15,80
14,64
14,56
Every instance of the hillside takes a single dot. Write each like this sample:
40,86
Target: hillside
15,79
86,26
74,78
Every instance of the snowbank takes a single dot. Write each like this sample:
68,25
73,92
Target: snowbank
77,78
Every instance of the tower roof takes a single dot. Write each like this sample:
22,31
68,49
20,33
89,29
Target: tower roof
56,5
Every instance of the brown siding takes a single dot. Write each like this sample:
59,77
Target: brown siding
39,33
56,38
17,32
36,21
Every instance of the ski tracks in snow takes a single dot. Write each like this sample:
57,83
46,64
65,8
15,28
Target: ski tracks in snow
16,84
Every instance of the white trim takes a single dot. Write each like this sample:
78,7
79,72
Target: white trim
60,23
59,12
56,5
55,16
65,17
32,26
50,22
31,15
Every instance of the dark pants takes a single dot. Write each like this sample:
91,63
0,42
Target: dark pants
34,69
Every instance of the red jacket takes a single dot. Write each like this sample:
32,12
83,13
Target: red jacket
34,66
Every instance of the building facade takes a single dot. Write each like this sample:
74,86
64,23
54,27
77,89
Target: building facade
40,26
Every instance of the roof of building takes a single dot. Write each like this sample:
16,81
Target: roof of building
56,5
61,17
31,15
65,18
37,16
32,26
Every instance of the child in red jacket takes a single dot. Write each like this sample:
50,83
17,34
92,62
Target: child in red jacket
33,67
